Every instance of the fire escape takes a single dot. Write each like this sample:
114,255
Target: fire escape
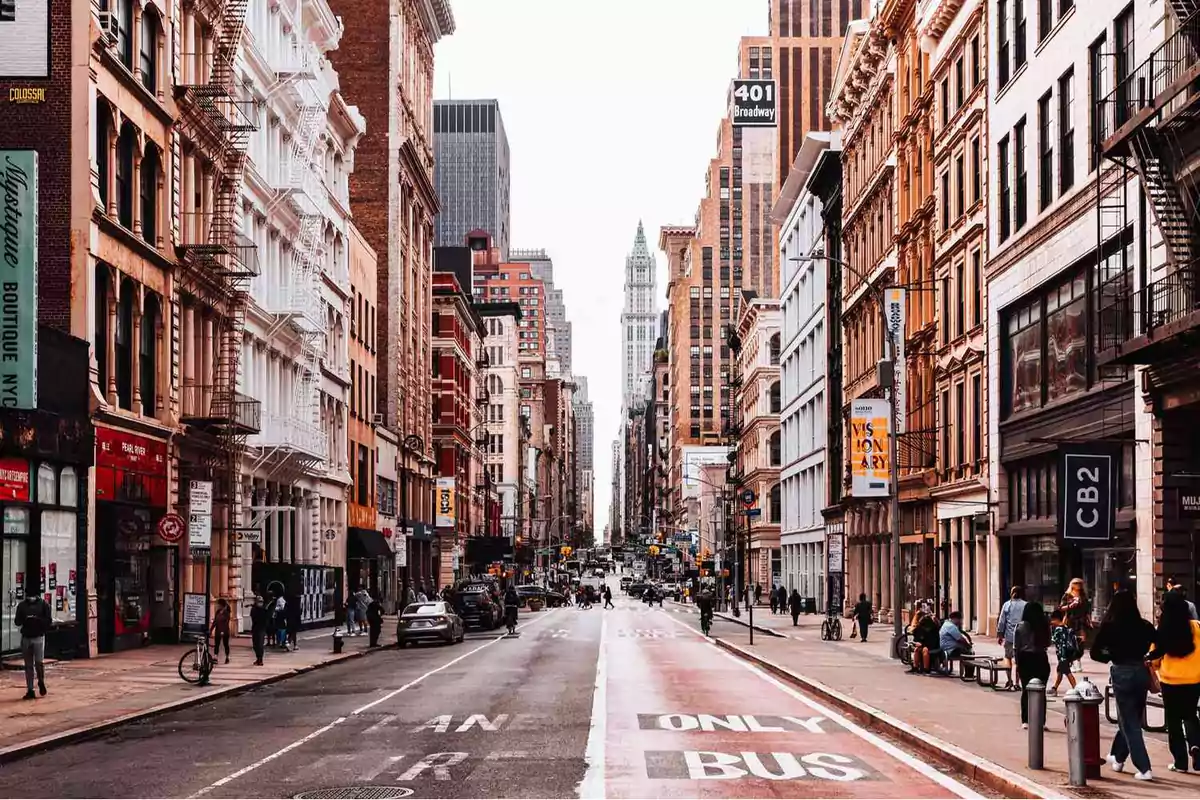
217,263
293,437
1148,126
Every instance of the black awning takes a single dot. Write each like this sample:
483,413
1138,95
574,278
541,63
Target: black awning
366,543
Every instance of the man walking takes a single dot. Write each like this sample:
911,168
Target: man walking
608,603
33,618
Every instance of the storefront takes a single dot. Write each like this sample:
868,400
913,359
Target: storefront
137,570
319,590
370,562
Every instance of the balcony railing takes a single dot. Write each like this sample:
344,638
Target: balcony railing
1141,327
1157,84
290,433
205,405
301,300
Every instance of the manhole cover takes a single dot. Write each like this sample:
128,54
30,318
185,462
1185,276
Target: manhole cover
356,793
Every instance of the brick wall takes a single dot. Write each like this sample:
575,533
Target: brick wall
46,128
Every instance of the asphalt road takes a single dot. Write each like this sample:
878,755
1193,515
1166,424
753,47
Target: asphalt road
629,702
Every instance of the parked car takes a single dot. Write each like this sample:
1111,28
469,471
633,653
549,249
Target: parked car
636,588
554,599
479,608
524,593
429,622
625,581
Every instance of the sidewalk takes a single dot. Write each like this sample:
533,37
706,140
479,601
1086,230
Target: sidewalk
91,694
961,715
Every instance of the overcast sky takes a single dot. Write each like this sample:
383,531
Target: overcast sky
611,111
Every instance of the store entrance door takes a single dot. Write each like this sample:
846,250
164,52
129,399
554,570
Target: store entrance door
12,590
164,571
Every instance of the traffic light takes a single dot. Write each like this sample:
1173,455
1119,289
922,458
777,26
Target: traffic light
566,551
653,549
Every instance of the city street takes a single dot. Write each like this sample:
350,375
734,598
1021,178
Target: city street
624,703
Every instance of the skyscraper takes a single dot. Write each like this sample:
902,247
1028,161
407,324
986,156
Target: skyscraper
470,151
639,322
558,340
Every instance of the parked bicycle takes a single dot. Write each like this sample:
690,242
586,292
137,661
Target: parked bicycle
831,629
197,664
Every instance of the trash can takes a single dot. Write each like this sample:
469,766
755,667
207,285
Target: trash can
810,605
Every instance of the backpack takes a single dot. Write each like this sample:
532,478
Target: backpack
1069,648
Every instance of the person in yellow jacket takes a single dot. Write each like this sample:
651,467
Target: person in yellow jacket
1177,653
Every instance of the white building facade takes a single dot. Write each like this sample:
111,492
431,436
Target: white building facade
295,358
639,322
502,420
798,212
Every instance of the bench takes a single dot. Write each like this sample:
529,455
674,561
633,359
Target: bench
973,668
1152,701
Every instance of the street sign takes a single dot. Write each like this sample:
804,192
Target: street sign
171,528
748,497
752,103
248,535
200,516
753,512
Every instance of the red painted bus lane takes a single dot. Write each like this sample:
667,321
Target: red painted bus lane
684,719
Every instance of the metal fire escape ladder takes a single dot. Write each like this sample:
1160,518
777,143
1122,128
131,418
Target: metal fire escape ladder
1165,195
217,261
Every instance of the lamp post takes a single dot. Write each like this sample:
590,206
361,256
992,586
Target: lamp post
887,375
412,444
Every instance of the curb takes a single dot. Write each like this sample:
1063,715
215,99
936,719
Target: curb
72,735
743,623
980,770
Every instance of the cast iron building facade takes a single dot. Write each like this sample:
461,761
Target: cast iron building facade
470,148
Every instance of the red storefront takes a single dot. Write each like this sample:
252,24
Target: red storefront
137,571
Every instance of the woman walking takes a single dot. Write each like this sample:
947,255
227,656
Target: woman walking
1077,610
220,627
862,616
1030,641
1177,653
795,604
1122,642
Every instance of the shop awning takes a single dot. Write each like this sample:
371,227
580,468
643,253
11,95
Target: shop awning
367,543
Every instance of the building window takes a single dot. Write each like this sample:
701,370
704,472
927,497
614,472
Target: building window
1004,191
960,83
960,423
775,399
775,506
1045,153
977,420
362,476
1124,57
976,287
945,311
124,344
1043,352
1019,25
945,102
1021,199
945,429
1045,19
100,344
125,149
976,67
149,50
775,449
149,194
960,179
945,201
125,32
1066,131
1003,66
1097,82
960,291
148,355
976,171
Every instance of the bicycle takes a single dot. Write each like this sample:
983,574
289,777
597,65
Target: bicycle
197,664
705,622
831,629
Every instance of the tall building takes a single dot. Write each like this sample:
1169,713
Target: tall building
470,148
639,321
558,327
395,203
806,36
585,467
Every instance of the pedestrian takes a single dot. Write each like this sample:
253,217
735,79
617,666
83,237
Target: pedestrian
1176,653
782,599
1011,614
795,605
33,618
608,603
1175,586
220,627
774,601
1029,646
351,613
1066,649
953,641
374,621
862,618
258,629
757,594
279,614
363,599
1122,641
1077,609
293,620
421,596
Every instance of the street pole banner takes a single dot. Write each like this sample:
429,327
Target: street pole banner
895,310
870,467
200,515
835,552
1087,497
18,274
445,503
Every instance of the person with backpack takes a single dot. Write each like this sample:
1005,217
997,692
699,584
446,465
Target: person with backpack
1011,614
33,617
1066,649
1029,645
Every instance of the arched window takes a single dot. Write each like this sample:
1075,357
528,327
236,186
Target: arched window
100,340
148,355
149,50
775,505
124,340
103,123
774,398
125,148
149,194
774,345
47,485
773,447
125,32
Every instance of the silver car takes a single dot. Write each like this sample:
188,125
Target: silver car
429,622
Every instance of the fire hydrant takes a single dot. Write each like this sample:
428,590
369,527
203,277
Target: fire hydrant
338,642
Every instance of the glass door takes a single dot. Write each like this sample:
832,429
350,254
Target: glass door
12,590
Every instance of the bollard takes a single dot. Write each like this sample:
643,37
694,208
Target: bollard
1035,694
1076,769
338,642
1090,721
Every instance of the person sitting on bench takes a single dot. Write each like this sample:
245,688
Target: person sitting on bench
925,641
954,643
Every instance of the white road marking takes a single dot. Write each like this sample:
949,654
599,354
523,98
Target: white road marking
383,723
592,785
908,760
357,711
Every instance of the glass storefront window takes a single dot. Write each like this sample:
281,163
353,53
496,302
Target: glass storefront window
58,563
16,521
1104,571
47,485
1036,568
68,488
